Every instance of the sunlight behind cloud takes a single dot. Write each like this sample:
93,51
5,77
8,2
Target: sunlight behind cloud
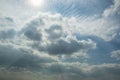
36,3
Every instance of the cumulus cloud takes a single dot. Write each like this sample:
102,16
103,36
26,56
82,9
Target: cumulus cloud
52,35
64,47
54,32
116,54
41,38
32,34
6,22
22,58
8,34
7,28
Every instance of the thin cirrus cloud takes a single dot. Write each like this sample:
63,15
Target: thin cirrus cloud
72,39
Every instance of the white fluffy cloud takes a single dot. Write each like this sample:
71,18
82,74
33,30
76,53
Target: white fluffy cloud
116,54
114,10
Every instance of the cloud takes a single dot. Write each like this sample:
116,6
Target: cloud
22,58
78,68
68,71
22,74
54,32
101,27
82,54
116,54
7,28
64,47
8,34
6,22
42,37
113,10
105,26
52,35
32,34
30,30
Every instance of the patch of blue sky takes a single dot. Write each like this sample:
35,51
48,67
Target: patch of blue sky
80,8
102,52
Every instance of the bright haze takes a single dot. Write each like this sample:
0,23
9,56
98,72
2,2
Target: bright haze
36,3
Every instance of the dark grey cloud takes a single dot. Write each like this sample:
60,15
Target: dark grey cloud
36,22
32,34
7,34
7,29
8,55
6,22
21,58
30,29
54,32
64,47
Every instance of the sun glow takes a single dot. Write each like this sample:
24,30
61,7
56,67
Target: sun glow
36,3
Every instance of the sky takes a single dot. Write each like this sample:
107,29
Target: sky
59,39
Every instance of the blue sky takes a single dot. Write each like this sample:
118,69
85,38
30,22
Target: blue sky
60,39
